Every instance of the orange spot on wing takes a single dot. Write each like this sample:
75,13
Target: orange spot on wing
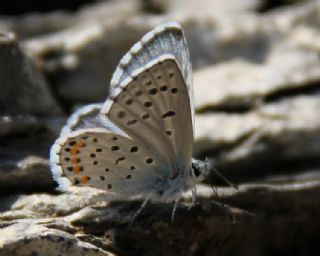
84,179
74,160
75,148
77,169
80,144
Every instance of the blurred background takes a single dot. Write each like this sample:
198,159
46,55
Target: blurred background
256,93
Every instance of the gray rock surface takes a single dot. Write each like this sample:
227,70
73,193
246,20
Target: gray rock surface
32,239
284,73
257,99
23,88
24,150
289,126
66,224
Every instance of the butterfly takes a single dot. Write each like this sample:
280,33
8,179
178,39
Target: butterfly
139,141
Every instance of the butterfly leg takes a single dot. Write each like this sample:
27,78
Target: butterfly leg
176,202
194,196
140,209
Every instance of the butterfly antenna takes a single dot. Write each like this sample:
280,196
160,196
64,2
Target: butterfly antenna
176,202
235,186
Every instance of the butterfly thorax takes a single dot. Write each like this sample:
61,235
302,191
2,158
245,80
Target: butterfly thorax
169,188
180,180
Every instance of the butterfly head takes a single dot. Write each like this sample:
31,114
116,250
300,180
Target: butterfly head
199,170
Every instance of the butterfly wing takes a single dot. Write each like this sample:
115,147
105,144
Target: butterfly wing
165,39
150,96
148,111
89,117
105,160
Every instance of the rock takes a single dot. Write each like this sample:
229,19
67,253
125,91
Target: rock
205,8
74,64
13,125
32,239
59,221
277,59
225,87
240,142
32,25
24,151
23,89
30,174
71,58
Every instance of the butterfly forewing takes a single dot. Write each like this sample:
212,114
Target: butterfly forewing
94,157
159,114
165,39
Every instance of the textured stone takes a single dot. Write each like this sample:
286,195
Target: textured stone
31,239
204,8
30,174
241,142
59,221
240,84
23,89
72,56
24,150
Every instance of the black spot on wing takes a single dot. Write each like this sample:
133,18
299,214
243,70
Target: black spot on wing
168,114
119,160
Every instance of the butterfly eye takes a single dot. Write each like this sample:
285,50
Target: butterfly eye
195,170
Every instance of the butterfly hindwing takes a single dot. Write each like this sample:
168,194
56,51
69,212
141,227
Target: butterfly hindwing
89,117
95,157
